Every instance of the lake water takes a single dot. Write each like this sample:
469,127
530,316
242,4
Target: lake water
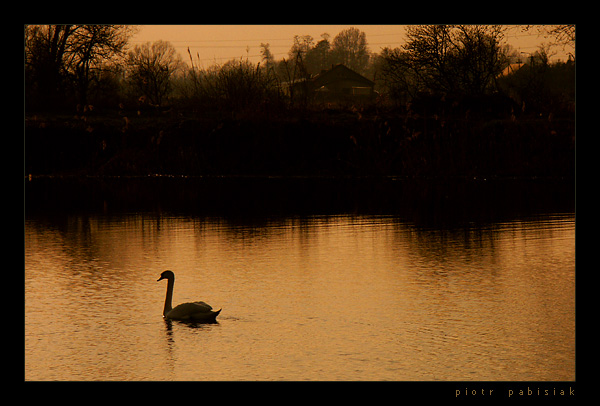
318,280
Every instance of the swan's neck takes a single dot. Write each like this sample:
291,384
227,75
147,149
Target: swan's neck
169,298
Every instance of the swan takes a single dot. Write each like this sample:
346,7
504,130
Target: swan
194,311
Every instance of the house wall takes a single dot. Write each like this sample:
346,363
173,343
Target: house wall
345,91
345,86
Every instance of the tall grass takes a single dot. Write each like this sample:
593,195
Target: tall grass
238,85
316,143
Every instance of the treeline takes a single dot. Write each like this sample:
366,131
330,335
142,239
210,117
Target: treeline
471,62
447,106
69,65
66,65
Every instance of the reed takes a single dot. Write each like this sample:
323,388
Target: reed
336,143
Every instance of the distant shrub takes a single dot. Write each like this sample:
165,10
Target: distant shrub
234,86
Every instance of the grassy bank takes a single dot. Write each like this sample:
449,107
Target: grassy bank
330,142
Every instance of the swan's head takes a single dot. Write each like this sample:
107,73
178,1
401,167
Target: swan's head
166,275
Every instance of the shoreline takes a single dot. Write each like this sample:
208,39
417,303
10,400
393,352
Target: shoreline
311,144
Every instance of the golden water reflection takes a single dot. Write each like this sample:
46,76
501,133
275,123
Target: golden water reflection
304,298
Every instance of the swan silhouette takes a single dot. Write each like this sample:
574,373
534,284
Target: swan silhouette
194,311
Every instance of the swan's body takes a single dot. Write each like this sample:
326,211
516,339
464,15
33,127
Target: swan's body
194,311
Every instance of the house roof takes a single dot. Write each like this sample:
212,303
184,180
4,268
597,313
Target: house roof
339,72
513,67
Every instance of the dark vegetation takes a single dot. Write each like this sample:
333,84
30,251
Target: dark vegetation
94,109
321,143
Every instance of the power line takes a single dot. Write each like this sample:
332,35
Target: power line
244,45
217,40
271,46
263,40
246,40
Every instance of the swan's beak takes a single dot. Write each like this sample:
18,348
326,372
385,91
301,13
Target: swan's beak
160,279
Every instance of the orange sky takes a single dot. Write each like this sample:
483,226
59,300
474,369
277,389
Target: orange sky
219,43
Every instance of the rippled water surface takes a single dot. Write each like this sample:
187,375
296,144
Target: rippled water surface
308,292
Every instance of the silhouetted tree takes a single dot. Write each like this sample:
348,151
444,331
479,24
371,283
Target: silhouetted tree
294,67
429,56
396,74
267,55
45,47
480,58
350,48
447,59
319,56
151,67
91,47
63,58
302,44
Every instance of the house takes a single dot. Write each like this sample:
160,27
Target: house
338,84
341,84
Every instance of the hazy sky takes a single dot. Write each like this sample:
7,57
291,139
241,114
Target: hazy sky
219,43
